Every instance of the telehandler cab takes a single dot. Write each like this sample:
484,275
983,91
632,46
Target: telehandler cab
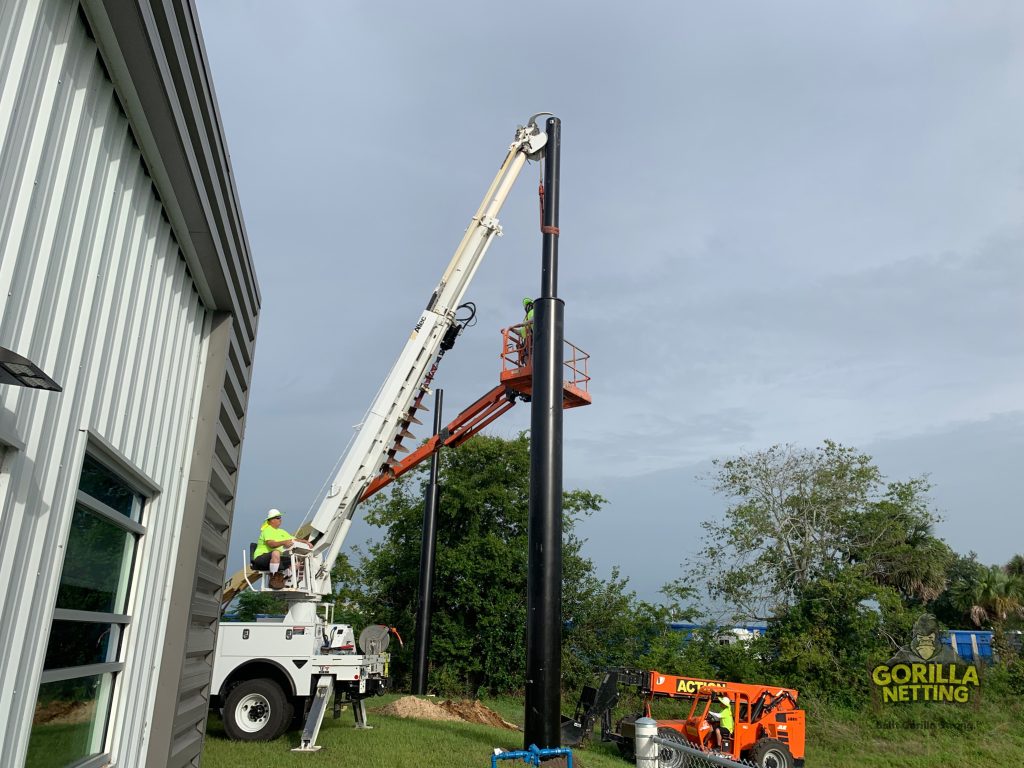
768,726
768,729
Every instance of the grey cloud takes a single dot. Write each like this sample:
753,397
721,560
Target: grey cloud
798,221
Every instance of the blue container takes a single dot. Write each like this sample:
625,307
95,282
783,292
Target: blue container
970,645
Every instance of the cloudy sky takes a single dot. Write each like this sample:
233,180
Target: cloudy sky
781,222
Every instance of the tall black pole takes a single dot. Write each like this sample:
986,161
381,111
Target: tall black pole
427,552
544,579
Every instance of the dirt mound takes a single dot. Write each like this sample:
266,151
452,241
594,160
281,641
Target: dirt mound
475,712
418,709
464,710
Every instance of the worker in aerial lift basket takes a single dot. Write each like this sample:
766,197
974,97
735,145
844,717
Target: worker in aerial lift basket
267,557
527,331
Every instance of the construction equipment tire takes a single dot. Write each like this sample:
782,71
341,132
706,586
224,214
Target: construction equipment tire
668,757
771,753
627,749
256,710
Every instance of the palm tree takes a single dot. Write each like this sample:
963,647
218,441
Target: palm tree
1015,567
995,597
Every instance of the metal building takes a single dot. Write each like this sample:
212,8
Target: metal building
125,275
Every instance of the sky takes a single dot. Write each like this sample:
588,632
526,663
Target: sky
780,222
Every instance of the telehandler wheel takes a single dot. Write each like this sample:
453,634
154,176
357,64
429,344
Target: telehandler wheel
771,753
256,710
627,749
626,746
668,757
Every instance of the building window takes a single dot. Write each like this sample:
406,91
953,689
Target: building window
83,655
6,454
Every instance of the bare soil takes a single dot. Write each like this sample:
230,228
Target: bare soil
464,710
475,712
63,713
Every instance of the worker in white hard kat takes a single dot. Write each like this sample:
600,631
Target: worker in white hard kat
268,555
721,723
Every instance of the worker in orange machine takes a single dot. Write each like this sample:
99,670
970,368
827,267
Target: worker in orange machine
267,557
721,722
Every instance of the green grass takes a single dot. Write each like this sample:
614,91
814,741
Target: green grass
392,742
920,736
57,745
990,736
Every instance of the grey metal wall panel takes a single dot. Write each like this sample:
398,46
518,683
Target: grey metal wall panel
97,292
126,275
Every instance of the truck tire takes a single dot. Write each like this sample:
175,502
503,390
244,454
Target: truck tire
771,753
668,757
256,710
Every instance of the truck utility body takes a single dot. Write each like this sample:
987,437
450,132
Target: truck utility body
268,672
298,660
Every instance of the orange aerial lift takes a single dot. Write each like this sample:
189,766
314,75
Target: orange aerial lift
515,384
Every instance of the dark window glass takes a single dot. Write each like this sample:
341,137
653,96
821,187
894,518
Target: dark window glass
69,722
103,485
97,565
77,643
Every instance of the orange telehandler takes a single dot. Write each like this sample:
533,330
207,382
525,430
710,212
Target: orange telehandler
768,731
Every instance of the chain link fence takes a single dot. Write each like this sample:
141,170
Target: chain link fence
674,752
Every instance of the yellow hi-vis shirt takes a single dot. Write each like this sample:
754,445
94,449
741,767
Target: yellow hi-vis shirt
269,533
726,718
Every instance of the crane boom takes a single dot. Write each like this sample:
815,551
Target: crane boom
397,398
264,671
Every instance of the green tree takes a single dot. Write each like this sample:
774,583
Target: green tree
252,602
348,605
962,573
896,546
800,516
1015,566
993,598
827,640
831,555
996,597
479,611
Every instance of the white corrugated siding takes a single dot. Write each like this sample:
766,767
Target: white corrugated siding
95,291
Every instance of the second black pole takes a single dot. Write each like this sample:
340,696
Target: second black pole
544,578
428,547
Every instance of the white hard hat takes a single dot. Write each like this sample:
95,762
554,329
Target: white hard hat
273,513
724,699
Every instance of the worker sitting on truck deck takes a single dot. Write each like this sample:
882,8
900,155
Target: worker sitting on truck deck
721,722
268,557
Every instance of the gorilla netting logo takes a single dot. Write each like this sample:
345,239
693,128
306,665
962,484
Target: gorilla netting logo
926,670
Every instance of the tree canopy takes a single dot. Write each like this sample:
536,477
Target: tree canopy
799,516
479,613
838,560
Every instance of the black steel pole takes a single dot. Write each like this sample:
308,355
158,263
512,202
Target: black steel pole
427,555
544,578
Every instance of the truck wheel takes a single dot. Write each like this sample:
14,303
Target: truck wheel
256,710
668,757
771,753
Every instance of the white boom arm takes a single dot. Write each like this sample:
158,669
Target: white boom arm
377,433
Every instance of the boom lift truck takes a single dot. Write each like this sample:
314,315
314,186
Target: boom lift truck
264,672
